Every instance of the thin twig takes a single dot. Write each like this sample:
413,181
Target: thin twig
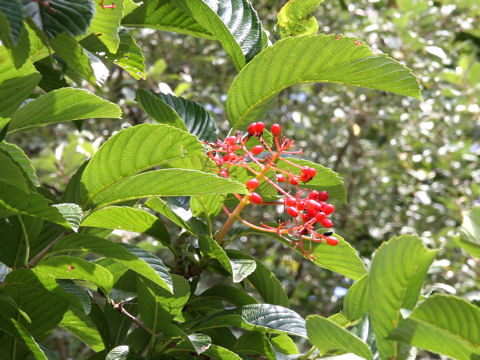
122,311
44,251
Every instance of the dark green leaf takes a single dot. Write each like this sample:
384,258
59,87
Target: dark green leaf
230,294
17,330
75,321
11,21
254,343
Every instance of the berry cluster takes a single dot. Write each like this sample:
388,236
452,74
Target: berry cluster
307,210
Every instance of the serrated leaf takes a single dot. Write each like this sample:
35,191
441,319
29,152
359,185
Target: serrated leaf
12,173
11,24
106,22
17,330
232,22
21,159
319,58
258,317
15,84
69,16
268,286
325,179
16,201
129,55
72,213
64,104
294,18
133,257
355,303
470,232
127,218
397,272
134,150
327,335
71,267
164,15
159,307
443,324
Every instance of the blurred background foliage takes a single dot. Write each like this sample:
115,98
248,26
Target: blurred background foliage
409,166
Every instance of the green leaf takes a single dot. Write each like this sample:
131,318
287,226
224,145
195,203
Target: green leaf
158,110
327,335
470,232
64,104
8,301
40,297
443,324
123,352
325,179
11,22
21,159
162,207
220,353
105,24
164,15
200,342
69,16
127,218
197,119
258,317
320,58
268,286
12,173
355,303
254,343
397,272
72,213
15,84
207,206
84,301
159,307
17,330
75,321
134,258
136,149
284,344
230,294
16,201
294,18
129,55
71,267
233,22
242,268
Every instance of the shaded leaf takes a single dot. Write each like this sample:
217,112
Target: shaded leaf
123,352
319,58
254,343
17,330
11,21
230,294
200,342
75,321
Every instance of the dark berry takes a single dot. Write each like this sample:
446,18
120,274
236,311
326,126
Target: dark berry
328,233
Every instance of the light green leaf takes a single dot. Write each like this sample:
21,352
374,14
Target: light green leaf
123,352
211,249
127,218
17,330
327,335
242,268
64,104
232,22
16,201
15,84
294,18
162,208
325,179
443,324
134,150
106,22
159,307
164,15
397,272
129,55
470,232
11,21
72,213
71,267
268,286
207,206
284,344
220,353
12,173
254,343
75,321
134,258
319,58
200,342
21,159
355,303
258,317
68,16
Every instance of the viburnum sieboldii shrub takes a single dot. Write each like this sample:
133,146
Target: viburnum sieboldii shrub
307,211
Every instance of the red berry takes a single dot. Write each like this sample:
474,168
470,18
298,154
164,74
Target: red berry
259,127
290,201
326,223
276,129
311,212
300,205
252,184
292,211
320,217
323,196
294,181
328,209
313,195
257,149
280,178
255,198
231,140
310,172
312,204
252,128
332,241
